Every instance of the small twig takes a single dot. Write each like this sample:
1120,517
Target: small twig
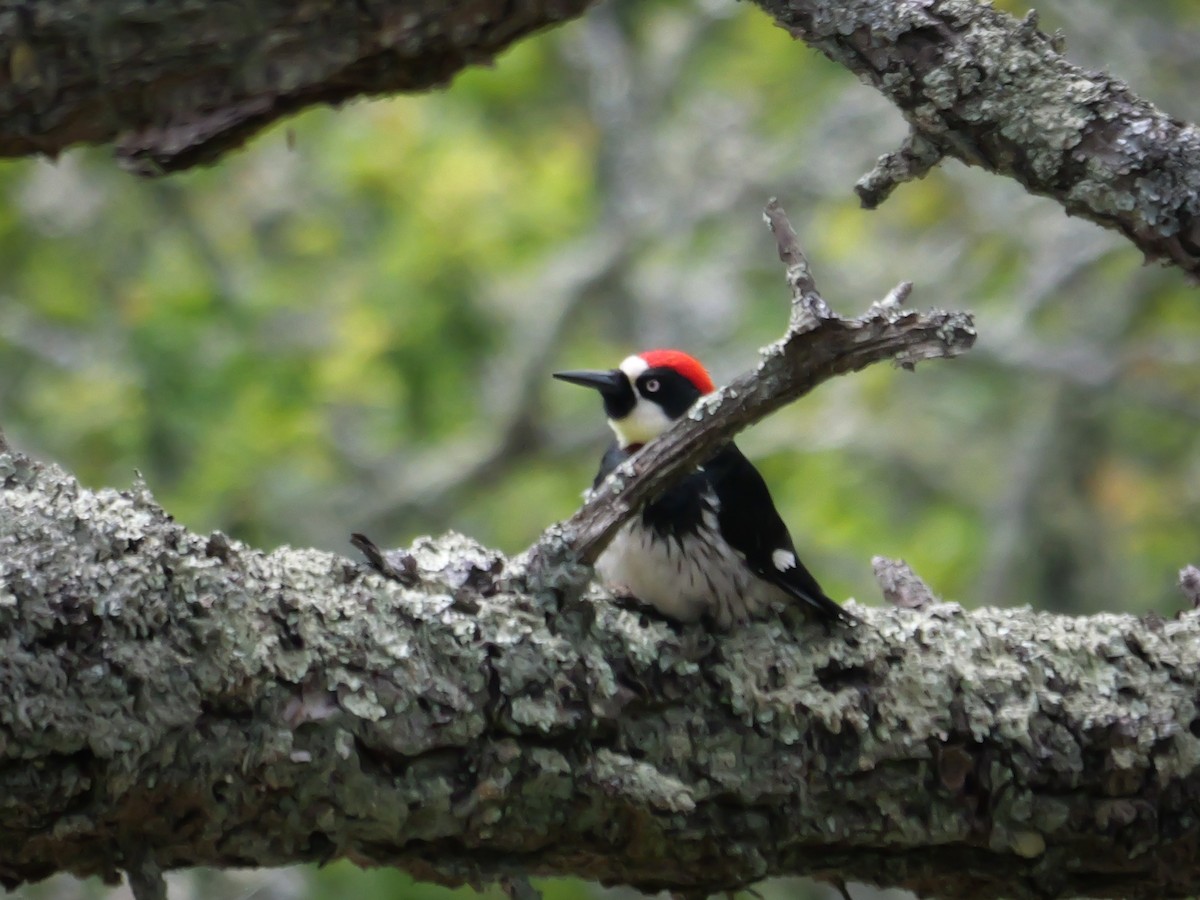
786,239
901,586
912,161
519,887
146,880
398,565
824,346
808,307
895,298
1189,584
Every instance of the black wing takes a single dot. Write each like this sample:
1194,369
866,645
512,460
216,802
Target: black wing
751,524
678,510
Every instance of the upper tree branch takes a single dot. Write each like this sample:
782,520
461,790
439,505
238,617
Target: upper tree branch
174,699
989,90
177,83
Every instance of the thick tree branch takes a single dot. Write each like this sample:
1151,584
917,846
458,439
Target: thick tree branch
178,83
818,345
989,90
174,699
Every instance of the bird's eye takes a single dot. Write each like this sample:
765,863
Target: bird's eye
652,386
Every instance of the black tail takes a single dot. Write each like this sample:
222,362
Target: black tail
799,582
828,609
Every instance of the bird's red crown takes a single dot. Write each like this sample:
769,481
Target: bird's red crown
687,366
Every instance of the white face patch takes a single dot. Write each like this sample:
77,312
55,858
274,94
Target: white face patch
647,420
783,560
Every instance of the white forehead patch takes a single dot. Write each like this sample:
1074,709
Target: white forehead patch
633,366
646,420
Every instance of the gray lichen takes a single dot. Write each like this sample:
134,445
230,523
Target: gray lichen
218,705
996,92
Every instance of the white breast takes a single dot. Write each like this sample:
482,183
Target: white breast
685,578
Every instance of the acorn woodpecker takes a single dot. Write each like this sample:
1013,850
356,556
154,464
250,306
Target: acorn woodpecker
713,545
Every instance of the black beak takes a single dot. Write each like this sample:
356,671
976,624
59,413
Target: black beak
610,383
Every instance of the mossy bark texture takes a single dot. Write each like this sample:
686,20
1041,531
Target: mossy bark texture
982,87
173,699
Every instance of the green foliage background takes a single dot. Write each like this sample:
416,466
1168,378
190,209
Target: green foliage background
351,325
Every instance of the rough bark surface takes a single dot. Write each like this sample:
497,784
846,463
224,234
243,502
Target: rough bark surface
989,90
177,83
174,699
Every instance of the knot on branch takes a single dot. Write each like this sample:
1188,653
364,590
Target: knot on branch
901,586
912,161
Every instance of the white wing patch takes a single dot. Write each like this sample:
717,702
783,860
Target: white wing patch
783,560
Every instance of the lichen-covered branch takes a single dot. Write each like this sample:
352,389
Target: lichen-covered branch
174,699
178,83
990,90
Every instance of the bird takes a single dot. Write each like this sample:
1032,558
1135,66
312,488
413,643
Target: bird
713,546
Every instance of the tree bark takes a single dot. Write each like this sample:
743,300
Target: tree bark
174,699
179,83
984,88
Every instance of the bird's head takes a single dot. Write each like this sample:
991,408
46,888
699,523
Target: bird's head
647,392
